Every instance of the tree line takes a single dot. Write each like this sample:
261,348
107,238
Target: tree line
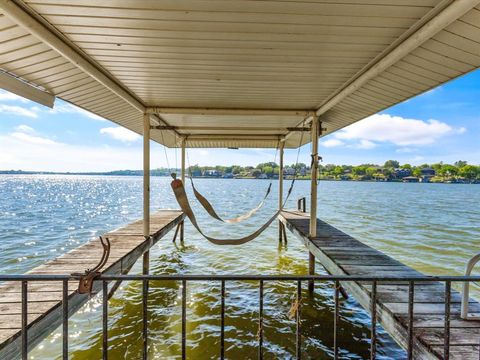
390,170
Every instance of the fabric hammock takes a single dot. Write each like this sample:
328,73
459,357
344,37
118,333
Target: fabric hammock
211,211
182,199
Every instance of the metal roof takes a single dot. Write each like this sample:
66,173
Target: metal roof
237,73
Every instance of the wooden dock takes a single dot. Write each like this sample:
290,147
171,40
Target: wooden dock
341,254
44,298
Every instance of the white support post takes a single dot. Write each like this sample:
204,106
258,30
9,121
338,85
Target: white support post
184,143
182,225
313,196
280,191
146,188
313,186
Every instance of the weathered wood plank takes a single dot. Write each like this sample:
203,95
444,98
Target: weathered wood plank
342,254
44,298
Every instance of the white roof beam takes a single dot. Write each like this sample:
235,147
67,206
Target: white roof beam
206,111
25,90
49,37
448,15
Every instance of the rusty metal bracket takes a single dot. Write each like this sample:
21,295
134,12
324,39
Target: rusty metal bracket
85,284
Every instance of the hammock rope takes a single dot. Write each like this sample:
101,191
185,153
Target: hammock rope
182,199
210,209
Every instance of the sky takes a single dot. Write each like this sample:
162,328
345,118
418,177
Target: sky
442,124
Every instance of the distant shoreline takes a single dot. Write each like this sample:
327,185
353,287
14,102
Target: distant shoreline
133,173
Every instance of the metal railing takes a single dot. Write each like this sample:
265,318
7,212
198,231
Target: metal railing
374,281
466,290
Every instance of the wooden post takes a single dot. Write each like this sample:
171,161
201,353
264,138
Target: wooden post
313,196
146,188
280,191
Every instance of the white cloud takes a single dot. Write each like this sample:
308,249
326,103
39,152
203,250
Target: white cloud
32,139
19,111
27,152
71,109
365,144
331,143
396,130
120,133
8,96
25,129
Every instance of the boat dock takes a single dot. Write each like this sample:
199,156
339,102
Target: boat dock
342,254
44,299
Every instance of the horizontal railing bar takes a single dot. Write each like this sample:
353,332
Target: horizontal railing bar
245,278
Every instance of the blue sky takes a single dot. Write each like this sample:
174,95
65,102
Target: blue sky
440,125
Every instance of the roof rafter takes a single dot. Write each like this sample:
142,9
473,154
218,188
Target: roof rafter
437,23
48,36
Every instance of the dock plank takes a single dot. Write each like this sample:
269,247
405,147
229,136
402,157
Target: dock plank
45,298
342,254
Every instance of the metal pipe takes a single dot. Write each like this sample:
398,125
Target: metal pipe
145,319
311,271
446,335
193,277
373,311
184,319
222,320
48,36
450,14
65,320
260,322
336,319
24,320
466,288
411,300
298,319
104,320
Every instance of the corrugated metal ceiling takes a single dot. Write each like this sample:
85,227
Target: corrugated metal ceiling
237,54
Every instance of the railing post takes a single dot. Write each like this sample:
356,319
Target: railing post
145,318
311,271
104,320
446,335
24,320
65,319
222,320
373,309
260,322
335,319
411,301
184,319
298,318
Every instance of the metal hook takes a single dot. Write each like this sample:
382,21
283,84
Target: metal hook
85,284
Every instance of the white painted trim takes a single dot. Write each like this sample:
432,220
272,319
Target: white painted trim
25,90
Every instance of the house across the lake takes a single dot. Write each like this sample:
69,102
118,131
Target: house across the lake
411,179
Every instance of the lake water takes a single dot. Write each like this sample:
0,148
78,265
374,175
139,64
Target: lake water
432,227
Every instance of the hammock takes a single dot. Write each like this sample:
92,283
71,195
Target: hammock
182,199
209,207
211,211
